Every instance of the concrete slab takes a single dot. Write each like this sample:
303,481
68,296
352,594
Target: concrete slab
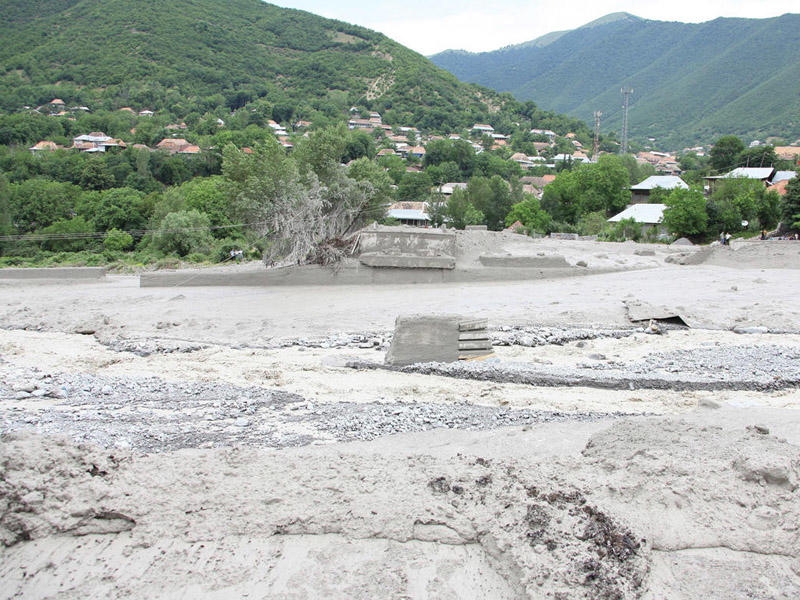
407,261
353,274
64,273
552,261
424,338
407,241
438,338
642,311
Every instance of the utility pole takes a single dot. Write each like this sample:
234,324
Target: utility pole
626,93
596,146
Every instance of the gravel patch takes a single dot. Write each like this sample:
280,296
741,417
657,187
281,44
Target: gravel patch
762,368
152,415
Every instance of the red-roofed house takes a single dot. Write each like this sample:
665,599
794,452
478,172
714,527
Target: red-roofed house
44,146
177,146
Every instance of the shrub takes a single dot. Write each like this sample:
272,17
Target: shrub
69,235
626,229
118,241
182,233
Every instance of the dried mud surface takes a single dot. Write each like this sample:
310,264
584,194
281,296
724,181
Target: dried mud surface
210,443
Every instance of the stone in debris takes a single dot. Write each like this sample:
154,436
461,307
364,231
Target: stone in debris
750,330
653,328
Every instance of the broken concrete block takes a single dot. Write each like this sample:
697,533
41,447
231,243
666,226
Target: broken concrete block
437,338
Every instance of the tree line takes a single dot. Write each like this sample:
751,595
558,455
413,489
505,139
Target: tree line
145,206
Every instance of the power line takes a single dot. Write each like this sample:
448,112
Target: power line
99,235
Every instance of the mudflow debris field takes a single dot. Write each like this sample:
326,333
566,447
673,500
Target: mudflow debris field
213,442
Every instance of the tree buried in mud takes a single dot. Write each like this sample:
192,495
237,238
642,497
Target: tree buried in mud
306,203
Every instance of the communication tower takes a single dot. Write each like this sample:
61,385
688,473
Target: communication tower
596,147
626,94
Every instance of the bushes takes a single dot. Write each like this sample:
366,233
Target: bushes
626,229
68,235
118,241
182,233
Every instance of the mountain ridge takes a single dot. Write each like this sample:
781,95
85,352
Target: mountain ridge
690,81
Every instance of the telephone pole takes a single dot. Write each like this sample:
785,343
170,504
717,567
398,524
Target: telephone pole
626,94
596,146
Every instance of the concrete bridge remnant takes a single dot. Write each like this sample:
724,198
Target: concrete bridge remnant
438,338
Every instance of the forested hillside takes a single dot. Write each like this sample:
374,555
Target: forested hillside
692,82
198,55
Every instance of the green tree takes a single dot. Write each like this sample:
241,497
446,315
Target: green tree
685,213
119,208
530,213
587,188
724,155
257,180
604,185
740,199
626,229
760,156
38,203
560,197
594,223
96,176
183,233
322,151
791,203
395,167
499,203
358,145
68,235
414,187
209,195
118,241
169,169
460,212
298,212
768,209
5,207
381,192
637,171
689,161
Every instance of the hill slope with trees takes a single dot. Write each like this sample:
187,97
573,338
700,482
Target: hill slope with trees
198,55
692,82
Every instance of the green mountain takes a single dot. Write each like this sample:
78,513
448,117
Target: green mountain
198,56
692,82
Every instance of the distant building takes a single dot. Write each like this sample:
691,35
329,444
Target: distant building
43,146
791,153
410,213
762,174
448,188
640,193
177,146
551,135
483,128
649,216
96,141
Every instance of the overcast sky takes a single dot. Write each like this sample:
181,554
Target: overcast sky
430,26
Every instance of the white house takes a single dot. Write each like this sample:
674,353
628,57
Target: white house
483,128
649,216
640,193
